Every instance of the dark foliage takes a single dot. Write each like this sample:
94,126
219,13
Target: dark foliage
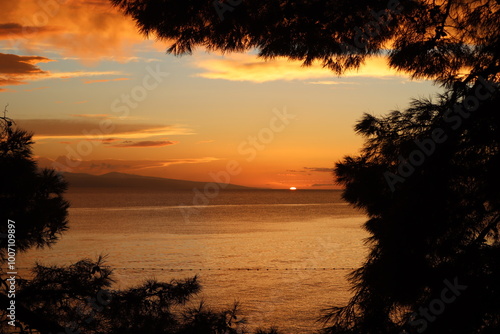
80,298
29,196
428,39
438,222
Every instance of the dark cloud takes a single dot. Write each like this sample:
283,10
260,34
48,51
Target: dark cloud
146,143
319,169
311,169
95,129
14,69
8,29
11,64
323,185
74,164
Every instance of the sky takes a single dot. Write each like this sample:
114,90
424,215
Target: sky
100,97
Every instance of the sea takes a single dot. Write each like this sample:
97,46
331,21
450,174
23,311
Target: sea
282,255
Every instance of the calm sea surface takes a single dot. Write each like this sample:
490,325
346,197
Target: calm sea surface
265,248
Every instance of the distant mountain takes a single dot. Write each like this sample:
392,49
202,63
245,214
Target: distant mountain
122,180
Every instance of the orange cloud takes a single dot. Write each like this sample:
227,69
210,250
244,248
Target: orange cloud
76,74
10,82
11,64
248,67
71,164
10,29
319,169
331,82
105,80
34,89
81,28
100,116
108,141
15,70
18,70
94,129
147,143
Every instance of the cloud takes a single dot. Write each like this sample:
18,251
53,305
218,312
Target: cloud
323,185
319,169
94,129
9,29
146,143
108,141
35,89
104,80
325,82
15,70
72,164
99,116
312,169
11,64
81,28
331,82
77,74
103,116
248,67
18,70
10,82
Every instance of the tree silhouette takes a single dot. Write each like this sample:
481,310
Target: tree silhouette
29,196
430,186
439,40
81,299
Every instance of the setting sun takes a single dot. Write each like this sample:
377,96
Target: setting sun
293,188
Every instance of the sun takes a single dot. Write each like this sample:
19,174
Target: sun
293,188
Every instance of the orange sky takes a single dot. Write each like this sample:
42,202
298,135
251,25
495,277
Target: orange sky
101,98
